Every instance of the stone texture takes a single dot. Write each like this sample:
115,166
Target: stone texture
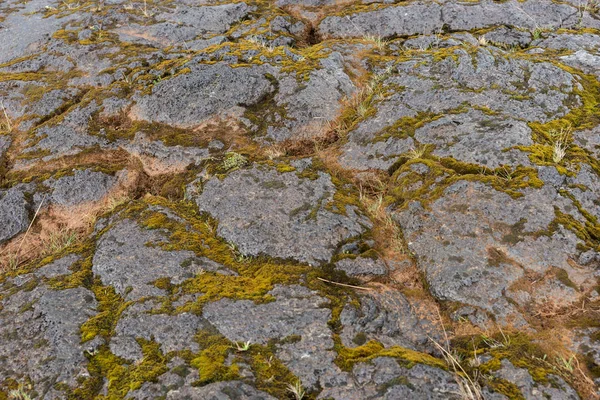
474,243
405,102
206,91
263,211
296,311
14,213
82,187
220,390
41,338
124,260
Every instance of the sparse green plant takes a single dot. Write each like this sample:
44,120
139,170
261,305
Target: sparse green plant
262,43
538,31
60,240
504,172
21,392
417,152
6,124
469,386
296,390
560,144
242,346
234,160
377,40
565,363
239,256
482,40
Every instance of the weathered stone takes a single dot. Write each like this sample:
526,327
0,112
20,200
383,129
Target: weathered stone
311,105
82,187
296,311
475,243
263,211
41,337
388,318
476,138
361,266
124,260
534,390
206,91
172,332
220,391
14,213
416,18
383,378
158,158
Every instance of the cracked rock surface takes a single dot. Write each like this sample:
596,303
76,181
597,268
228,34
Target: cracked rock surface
316,199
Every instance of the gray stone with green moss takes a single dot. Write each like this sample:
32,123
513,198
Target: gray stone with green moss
262,211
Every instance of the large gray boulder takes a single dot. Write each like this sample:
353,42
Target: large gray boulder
263,211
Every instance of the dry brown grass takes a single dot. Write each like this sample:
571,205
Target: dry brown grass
55,228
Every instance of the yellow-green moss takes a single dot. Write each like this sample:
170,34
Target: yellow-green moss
347,357
122,376
210,362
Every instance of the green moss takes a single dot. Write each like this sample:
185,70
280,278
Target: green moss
348,357
506,388
122,377
110,306
518,348
211,360
272,376
360,339
285,168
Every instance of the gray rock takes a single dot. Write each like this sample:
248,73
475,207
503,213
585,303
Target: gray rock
530,389
388,318
476,138
82,187
279,214
296,311
5,142
58,267
589,140
361,266
206,19
158,158
383,378
207,91
124,260
41,337
310,105
14,213
232,390
509,37
474,243
417,18
569,41
172,332
375,155
588,63
68,137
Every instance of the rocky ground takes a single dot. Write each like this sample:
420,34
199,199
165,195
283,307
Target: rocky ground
317,199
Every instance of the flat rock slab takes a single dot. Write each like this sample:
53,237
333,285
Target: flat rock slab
297,311
205,91
261,210
14,213
126,260
475,242
82,187
41,338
